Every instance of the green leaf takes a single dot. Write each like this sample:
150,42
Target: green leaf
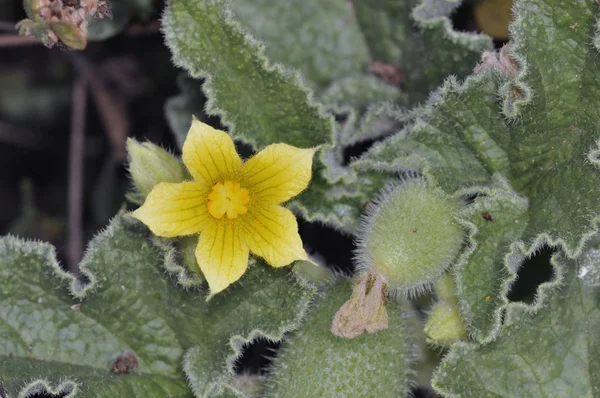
259,102
26,376
351,35
483,275
320,38
449,140
359,93
425,55
315,363
338,206
378,121
554,162
551,349
130,305
549,154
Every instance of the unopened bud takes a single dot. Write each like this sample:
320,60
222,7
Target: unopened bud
444,325
70,35
149,164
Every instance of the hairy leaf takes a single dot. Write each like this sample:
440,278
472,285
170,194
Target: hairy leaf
28,376
130,305
321,38
449,139
259,102
483,275
546,350
425,55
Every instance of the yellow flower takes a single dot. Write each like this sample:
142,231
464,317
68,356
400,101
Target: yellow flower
235,206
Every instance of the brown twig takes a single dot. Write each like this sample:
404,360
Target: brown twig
16,41
112,108
8,26
76,154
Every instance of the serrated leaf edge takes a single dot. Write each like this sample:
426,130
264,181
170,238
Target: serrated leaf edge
429,21
212,108
237,341
514,257
544,293
70,387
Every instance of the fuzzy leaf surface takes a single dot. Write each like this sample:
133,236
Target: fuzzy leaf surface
425,55
130,305
259,102
321,38
77,380
315,363
550,350
483,275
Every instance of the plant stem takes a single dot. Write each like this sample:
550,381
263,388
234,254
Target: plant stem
16,40
76,155
8,26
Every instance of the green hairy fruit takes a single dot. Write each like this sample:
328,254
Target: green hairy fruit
410,235
315,363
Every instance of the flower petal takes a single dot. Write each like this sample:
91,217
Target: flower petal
278,172
271,232
175,209
209,154
222,256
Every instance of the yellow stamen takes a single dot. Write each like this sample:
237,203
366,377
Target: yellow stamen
228,198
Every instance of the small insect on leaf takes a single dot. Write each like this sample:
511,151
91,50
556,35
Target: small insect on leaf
487,216
124,363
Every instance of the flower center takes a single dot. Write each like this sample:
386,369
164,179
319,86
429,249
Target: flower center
228,198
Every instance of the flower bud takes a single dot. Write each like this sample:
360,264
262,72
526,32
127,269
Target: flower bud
149,164
70,35
444,325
